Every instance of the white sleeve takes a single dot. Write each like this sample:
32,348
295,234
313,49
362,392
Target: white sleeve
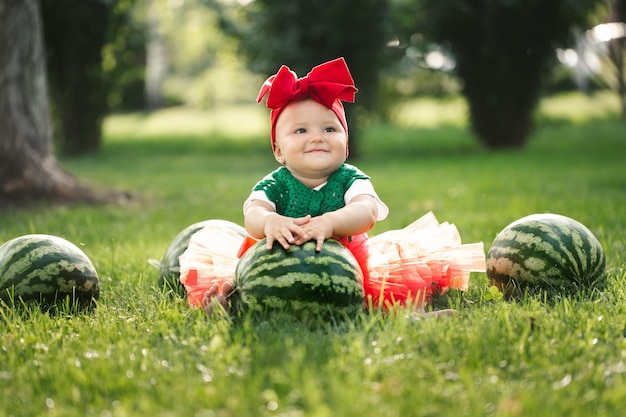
257,195
360,187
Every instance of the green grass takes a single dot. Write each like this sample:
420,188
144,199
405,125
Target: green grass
143,353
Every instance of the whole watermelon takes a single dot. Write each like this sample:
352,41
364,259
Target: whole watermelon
300,281
47,269
547,253
170,265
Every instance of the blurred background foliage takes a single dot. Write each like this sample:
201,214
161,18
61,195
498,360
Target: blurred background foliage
210,53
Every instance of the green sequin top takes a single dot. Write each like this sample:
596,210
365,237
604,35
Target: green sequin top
294,199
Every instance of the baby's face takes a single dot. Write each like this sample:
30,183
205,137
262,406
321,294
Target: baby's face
310,141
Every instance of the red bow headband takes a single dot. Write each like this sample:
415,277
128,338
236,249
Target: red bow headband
328,84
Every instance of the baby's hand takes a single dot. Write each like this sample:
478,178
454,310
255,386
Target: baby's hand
319,229
285,230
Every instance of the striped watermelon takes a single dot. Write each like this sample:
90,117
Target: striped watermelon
545,252
48,269
299,281
170,265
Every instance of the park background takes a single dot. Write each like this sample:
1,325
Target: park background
190,151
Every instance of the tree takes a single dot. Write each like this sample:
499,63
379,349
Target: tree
503,49
156,57
75,32
199,63
28,168
304,33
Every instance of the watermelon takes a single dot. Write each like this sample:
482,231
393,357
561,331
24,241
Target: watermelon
47,269
547,253
299,281
170,265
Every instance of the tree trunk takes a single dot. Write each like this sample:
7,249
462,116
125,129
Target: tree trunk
75,32
156,58
28,169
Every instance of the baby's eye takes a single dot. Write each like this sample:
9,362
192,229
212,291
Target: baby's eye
329,129
300,130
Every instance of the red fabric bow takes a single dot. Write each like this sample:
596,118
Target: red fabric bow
325,83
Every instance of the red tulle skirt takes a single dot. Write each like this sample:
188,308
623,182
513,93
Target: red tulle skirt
400,267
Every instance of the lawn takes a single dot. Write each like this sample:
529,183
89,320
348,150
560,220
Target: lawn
142,352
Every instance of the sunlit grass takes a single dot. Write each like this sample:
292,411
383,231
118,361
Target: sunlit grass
233,122
453,111
431,112
244,121
578,108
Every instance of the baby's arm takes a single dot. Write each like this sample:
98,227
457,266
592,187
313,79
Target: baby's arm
261,220
358,216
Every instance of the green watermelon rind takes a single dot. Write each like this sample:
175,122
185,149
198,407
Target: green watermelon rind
46,268
170,265
298,280
546,252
